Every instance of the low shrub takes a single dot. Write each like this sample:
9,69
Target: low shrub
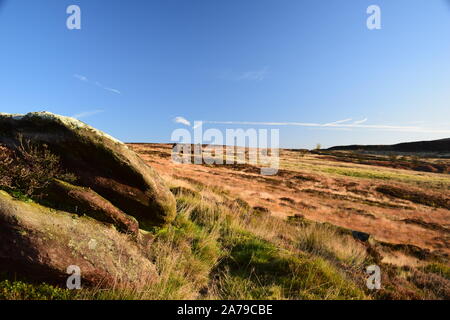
29,169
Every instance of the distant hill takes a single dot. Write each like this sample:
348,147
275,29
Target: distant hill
442,145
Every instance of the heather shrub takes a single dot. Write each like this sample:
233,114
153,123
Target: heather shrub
29,169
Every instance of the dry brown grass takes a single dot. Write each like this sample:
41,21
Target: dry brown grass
425,198
219,249
340,193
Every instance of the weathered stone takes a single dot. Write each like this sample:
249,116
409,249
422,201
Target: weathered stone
101,163
41,243
84,201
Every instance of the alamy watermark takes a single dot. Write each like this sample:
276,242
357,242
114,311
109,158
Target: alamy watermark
257,147
374,280
74,280
73,22
374,20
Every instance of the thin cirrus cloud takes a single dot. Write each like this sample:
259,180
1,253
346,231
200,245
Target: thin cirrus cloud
338,122
346,122
96,83
86,114
361,121
341,124
257,75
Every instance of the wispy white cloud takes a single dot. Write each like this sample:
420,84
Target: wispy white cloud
96,83
112,90
80,77
341,124
86,114
182,120
338,122
257,75
361,121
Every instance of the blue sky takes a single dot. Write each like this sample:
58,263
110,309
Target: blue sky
136,65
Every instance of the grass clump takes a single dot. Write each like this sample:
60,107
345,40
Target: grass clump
18,290
326,241
257,269
185,252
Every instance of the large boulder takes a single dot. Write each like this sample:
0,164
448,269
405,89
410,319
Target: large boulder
40,244
100,162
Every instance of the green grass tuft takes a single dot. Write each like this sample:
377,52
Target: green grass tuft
18,290
256,269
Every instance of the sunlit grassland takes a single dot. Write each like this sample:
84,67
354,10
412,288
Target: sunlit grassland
216,249
330,168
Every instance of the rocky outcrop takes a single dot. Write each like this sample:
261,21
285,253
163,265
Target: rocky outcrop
41,244
100,163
